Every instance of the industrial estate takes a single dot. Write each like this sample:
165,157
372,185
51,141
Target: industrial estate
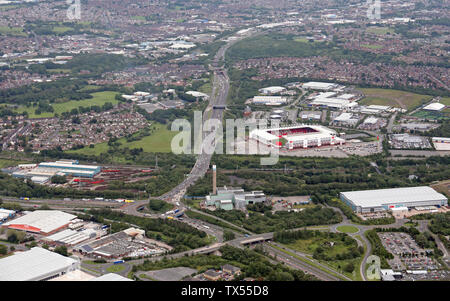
341,173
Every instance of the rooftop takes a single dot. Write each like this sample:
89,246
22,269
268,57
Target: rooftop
32,265
41,221
435,106
380,197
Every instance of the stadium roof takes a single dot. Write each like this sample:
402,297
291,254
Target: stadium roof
41,221
380,197
322,132
32,265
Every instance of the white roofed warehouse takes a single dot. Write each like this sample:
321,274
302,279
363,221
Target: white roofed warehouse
386,199
43,222
37,264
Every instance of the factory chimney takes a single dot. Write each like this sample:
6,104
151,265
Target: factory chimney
214,179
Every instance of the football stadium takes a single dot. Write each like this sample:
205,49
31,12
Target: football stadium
297,136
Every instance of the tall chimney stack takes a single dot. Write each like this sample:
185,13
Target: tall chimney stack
214,179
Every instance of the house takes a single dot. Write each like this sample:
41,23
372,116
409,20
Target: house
231,269
212,275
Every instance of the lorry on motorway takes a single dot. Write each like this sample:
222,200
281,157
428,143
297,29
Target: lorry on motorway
105,226
205,227
176,210
24,198
179,214
67,199
99,199
118,261
170,217
147,215
169,212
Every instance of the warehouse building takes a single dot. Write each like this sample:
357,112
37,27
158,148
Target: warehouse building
272,90
45,170
269,100
346,119
44,222
70,237
6,214
435,107
441,143
389,199
320,86
37,264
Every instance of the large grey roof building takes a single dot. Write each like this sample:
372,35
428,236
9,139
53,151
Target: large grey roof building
385,199
36,264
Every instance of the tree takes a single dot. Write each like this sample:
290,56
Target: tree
44,207
228,235
3,250
12,236
62,250
349,268
58,179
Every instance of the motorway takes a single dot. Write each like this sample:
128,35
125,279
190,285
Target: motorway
218,98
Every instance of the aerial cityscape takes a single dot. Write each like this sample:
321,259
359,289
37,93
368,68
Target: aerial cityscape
223,140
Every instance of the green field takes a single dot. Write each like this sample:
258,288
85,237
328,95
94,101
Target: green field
99,99
443,115
394,98
159,141
347,229
87,88
381,30
7,7
310,245
61,29
372,46
116,268
446,101
8,163
58,70
206,88
139,18
12,31
305,40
